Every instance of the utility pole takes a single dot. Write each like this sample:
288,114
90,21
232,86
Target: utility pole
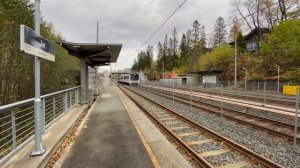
38,147
235,62
97,32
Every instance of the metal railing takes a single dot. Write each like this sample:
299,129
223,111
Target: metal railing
17,119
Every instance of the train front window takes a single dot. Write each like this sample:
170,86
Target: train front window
134,77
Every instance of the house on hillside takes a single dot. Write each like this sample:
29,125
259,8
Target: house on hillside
170,75
251,39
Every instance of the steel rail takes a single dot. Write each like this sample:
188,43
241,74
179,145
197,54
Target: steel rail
201,161
263,160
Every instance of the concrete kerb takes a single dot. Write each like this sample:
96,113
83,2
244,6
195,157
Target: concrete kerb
21,158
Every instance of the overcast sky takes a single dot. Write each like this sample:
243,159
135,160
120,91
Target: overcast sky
129,22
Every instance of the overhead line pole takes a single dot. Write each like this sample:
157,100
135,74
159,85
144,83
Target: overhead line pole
97,32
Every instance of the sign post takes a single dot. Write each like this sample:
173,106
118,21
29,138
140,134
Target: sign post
32,43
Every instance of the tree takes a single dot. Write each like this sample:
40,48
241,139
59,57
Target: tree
174,48
235,29
160,57
195,33
282,47
202,36
183,49
222,58
219,36
144,60
189,47
16,70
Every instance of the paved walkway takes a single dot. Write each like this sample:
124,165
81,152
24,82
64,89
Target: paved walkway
108,139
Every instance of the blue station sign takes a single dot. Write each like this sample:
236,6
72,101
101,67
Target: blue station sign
34,44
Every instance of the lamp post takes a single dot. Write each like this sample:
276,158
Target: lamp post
278,78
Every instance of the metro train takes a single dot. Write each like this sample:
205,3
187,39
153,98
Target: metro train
131,79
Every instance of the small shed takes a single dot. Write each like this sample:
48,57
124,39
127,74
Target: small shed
210,77
185,79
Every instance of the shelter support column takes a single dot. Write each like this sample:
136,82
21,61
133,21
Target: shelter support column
83,81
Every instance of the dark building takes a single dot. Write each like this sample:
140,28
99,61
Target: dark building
251,40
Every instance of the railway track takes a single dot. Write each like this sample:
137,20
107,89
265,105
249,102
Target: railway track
287,101
274,127
234,101
206,147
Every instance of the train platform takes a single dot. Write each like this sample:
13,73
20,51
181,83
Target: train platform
117,134
114,133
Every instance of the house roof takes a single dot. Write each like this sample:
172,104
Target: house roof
171,75
252,34
95,54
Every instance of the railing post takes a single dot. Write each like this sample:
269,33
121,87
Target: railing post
70,97
296,117
264,93
13,127
191,100
77,96
173,92
43,115
221,101
54,108
65,98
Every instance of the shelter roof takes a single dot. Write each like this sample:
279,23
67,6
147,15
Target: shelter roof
208,71
95,54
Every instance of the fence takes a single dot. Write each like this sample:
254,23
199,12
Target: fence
256,86
17,119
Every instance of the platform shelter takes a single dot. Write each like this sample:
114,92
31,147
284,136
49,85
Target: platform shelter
93,55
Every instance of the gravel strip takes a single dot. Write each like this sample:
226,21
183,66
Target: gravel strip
277,149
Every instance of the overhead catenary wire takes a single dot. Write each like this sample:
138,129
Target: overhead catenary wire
159,27
163,23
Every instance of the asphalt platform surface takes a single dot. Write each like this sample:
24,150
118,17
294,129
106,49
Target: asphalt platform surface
108,138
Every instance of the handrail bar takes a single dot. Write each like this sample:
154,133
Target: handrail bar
12,105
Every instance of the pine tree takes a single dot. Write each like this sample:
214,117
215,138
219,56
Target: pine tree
195,33
174,48
203,36
183,48
188,42
159,56
219,36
